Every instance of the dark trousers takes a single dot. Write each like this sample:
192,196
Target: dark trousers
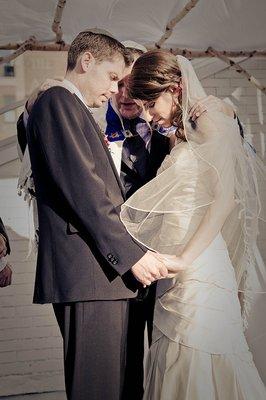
140,313
94,336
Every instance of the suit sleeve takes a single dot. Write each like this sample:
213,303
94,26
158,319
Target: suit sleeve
59,125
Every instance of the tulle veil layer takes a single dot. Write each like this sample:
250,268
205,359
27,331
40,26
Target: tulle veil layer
214,168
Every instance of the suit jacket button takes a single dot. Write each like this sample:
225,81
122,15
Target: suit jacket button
115,262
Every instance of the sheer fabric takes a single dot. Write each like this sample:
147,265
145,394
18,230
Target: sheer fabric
210,182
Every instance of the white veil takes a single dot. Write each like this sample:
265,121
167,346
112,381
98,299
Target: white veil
213,168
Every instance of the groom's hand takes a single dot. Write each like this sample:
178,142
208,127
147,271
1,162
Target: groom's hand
174,264
6,276
3,248
149,269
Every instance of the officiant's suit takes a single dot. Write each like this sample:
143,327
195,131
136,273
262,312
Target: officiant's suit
85,254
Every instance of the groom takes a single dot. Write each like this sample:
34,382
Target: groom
85,256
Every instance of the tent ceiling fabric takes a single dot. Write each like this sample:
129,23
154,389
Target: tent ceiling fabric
231,25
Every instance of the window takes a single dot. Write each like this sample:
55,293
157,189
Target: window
9,70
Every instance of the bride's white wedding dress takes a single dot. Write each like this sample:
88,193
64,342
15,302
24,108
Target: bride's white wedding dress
199,351
208,188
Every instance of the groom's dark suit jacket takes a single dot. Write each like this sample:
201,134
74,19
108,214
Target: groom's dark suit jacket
84,249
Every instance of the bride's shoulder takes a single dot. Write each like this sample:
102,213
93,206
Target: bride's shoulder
214,124
180,155
180,152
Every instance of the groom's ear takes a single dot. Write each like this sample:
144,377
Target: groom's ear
86,60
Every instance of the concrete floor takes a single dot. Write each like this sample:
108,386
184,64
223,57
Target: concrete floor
39,396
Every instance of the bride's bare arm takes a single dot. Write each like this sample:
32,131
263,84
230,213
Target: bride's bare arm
210,226
223,186
208,229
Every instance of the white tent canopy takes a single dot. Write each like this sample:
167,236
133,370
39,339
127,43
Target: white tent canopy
29,342
230,25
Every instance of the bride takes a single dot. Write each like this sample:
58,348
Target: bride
200,214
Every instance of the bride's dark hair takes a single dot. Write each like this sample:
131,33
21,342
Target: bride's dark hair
153,73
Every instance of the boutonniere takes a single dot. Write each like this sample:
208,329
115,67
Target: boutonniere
106,141
104,136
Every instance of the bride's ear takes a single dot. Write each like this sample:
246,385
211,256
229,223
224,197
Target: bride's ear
175,89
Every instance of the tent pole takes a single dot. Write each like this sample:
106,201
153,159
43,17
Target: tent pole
171,24
56,27
238,68
27,45
205,53
52,46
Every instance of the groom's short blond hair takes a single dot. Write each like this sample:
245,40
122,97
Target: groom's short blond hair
101,45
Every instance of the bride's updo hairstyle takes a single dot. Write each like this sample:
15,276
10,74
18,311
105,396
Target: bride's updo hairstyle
153,73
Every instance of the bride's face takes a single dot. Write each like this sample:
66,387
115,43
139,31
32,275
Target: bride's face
162,109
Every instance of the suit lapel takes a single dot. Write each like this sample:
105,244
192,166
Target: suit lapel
105,147
107,151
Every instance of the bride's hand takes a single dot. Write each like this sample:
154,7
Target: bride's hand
173,263
208,104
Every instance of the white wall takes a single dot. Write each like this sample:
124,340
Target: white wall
250,104
30,344
251,108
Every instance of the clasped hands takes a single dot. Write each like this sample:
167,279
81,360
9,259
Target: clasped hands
3,246
154,266
6,273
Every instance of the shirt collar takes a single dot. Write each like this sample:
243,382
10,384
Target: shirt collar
73,89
